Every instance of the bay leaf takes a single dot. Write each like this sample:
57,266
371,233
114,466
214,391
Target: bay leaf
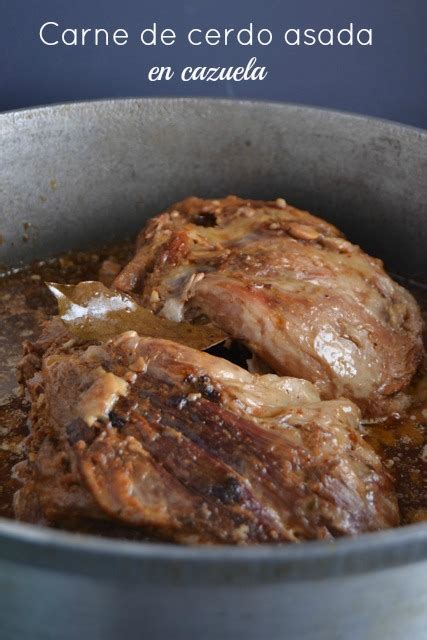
91,311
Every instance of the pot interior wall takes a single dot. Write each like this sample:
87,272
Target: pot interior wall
83,174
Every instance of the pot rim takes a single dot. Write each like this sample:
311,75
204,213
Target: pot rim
87,554
139,101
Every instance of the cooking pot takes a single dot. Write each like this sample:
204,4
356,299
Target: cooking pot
80,175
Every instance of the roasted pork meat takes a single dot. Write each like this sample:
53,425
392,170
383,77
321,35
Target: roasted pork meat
189,447
290,287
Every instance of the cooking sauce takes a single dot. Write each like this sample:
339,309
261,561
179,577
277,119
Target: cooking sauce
401,440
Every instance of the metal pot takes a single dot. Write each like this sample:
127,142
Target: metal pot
83,174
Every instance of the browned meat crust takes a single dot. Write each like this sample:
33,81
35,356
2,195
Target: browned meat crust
288,285
158,436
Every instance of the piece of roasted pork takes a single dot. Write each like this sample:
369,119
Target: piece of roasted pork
289,286
189,447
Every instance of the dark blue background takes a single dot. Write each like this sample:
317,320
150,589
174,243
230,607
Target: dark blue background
388,79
